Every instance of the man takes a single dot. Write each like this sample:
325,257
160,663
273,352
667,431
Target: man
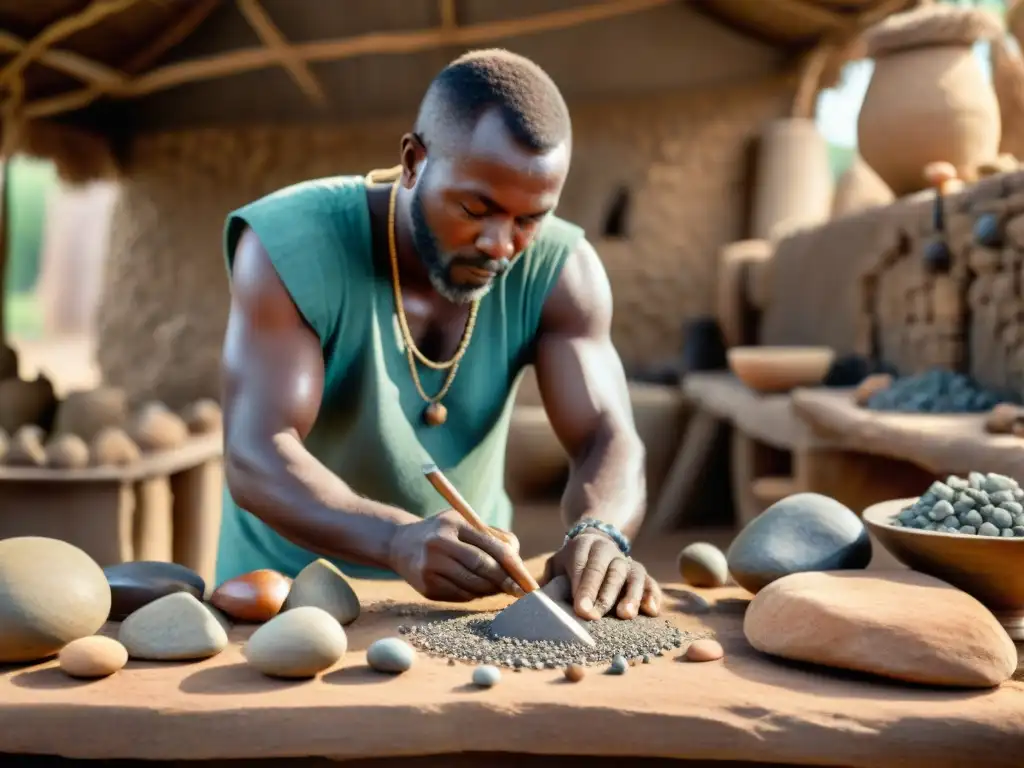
376,327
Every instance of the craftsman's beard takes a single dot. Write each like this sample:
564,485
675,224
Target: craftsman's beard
437,263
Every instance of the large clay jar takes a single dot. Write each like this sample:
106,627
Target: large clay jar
928,99
27,402
8,362
794,179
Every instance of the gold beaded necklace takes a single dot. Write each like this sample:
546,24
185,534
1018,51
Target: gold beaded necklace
435,414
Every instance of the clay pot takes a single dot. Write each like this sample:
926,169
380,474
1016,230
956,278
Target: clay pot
858,189
928,99
8,363
26,402
794,179
780,369
87,413
703,346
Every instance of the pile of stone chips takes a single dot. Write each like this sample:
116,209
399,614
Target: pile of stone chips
979,505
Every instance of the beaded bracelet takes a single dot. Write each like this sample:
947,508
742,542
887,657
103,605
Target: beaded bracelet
606,528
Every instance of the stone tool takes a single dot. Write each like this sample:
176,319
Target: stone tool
535,616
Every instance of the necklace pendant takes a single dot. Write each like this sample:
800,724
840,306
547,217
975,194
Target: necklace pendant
435,415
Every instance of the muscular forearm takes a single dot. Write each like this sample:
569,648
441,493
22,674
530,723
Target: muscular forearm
607,481
293,493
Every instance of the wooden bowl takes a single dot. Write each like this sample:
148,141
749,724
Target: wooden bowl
780,369
987,568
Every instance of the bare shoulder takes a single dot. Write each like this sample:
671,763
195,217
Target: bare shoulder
255,285
581,301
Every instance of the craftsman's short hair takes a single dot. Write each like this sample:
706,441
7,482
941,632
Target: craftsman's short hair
475,83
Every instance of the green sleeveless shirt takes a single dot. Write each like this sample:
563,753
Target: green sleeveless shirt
370,429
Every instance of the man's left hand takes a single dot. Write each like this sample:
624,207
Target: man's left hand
602,577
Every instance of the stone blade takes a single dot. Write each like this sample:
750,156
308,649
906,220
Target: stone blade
536,617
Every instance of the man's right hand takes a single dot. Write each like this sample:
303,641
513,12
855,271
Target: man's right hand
445,559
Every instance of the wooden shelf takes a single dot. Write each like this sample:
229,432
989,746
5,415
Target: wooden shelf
767,418
197,450
939,443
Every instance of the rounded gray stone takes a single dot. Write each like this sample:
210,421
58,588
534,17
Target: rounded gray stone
389,654
486,676
996,482
987,529
703,565
802,532
1001,518
1013,507
941,511
618,666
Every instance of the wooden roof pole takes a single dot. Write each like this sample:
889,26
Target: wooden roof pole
403,42
272,38
69,63
449,18
185,26
64,27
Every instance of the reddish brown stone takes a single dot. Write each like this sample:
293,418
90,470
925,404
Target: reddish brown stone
253,597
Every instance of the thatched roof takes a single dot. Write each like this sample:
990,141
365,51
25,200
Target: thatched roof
91,63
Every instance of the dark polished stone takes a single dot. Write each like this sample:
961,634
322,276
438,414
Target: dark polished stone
133,585
802,532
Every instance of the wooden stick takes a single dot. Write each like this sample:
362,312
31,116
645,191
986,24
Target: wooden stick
186,24
68,62
809,83
512,563
274,40
449,19
58,30
247,60
143,59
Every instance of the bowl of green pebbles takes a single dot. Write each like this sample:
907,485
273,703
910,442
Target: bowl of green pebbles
969,532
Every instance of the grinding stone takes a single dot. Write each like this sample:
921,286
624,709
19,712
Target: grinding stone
536,617
802,532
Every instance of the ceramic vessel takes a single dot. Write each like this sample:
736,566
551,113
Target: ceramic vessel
989,569
780,369
794,179
928,99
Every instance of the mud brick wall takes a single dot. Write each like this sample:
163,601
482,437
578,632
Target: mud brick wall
813,294
681,162
859,284
995,296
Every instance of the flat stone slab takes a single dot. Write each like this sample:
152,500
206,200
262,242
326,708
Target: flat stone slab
745,708
941,443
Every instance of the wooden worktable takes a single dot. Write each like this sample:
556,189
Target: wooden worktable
744,708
